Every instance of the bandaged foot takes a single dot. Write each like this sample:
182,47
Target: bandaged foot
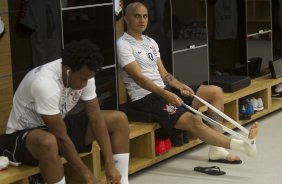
219,153
249,149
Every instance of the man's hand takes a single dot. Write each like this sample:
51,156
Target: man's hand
173,99
90,179
112,174
186,91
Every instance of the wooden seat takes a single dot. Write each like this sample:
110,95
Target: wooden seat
20,174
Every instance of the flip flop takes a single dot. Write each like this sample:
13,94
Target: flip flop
226,161
213,170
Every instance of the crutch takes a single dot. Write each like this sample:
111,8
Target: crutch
217,124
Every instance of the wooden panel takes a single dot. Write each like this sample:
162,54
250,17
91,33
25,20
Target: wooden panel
120,24
6,97
6,83
5,52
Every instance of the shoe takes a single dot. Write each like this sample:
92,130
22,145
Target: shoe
246,110
213,170
278,88
167,144
160,146
254,102
185,137
249,109
251,101
176,137
36,179
243,115
260,104
276,95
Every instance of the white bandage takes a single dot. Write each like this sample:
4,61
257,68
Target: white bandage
239,145
216,153
4,162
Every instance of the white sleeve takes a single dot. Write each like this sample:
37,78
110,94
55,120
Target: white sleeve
125,53
89,92
46,97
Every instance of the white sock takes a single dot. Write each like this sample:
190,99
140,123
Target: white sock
239,145
216,153
62,181
121,162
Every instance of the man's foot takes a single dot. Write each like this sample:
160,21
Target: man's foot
221,155
253,131
232,158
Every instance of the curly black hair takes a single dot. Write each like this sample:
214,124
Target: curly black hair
81,53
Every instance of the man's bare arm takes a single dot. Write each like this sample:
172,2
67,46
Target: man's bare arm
134,71
167,77
99,128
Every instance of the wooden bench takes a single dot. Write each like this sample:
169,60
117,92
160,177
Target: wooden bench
20,174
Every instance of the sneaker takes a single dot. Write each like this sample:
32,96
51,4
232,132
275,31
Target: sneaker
185,137
167,144
176,137
252,101
160,146
278,88
246,110
249,109
243,115
276,95
260,104
36,179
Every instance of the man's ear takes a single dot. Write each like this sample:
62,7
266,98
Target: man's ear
125,18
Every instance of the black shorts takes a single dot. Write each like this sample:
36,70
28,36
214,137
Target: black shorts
164,113
14,145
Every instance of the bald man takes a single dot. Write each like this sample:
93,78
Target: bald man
144,76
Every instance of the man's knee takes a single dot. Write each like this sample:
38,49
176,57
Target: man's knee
121,121
216,90
197,122
190,122
42,142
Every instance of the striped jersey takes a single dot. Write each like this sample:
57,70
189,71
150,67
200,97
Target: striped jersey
146,53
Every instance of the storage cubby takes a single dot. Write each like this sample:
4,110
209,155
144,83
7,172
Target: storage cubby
231,109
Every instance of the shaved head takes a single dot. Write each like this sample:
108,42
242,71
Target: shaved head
130,7
136,18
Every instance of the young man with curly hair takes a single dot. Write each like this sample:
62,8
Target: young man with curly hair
39,127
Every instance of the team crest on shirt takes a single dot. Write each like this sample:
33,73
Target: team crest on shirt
75,95
154,50
171,109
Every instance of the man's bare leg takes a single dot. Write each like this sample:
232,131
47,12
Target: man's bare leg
43,147
117,124
214,96
195,125
118,128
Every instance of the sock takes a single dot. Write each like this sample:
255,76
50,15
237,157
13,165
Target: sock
62,181
216,153
239,145
121,162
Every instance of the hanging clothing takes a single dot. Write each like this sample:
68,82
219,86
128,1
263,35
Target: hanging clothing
226,19
43,19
